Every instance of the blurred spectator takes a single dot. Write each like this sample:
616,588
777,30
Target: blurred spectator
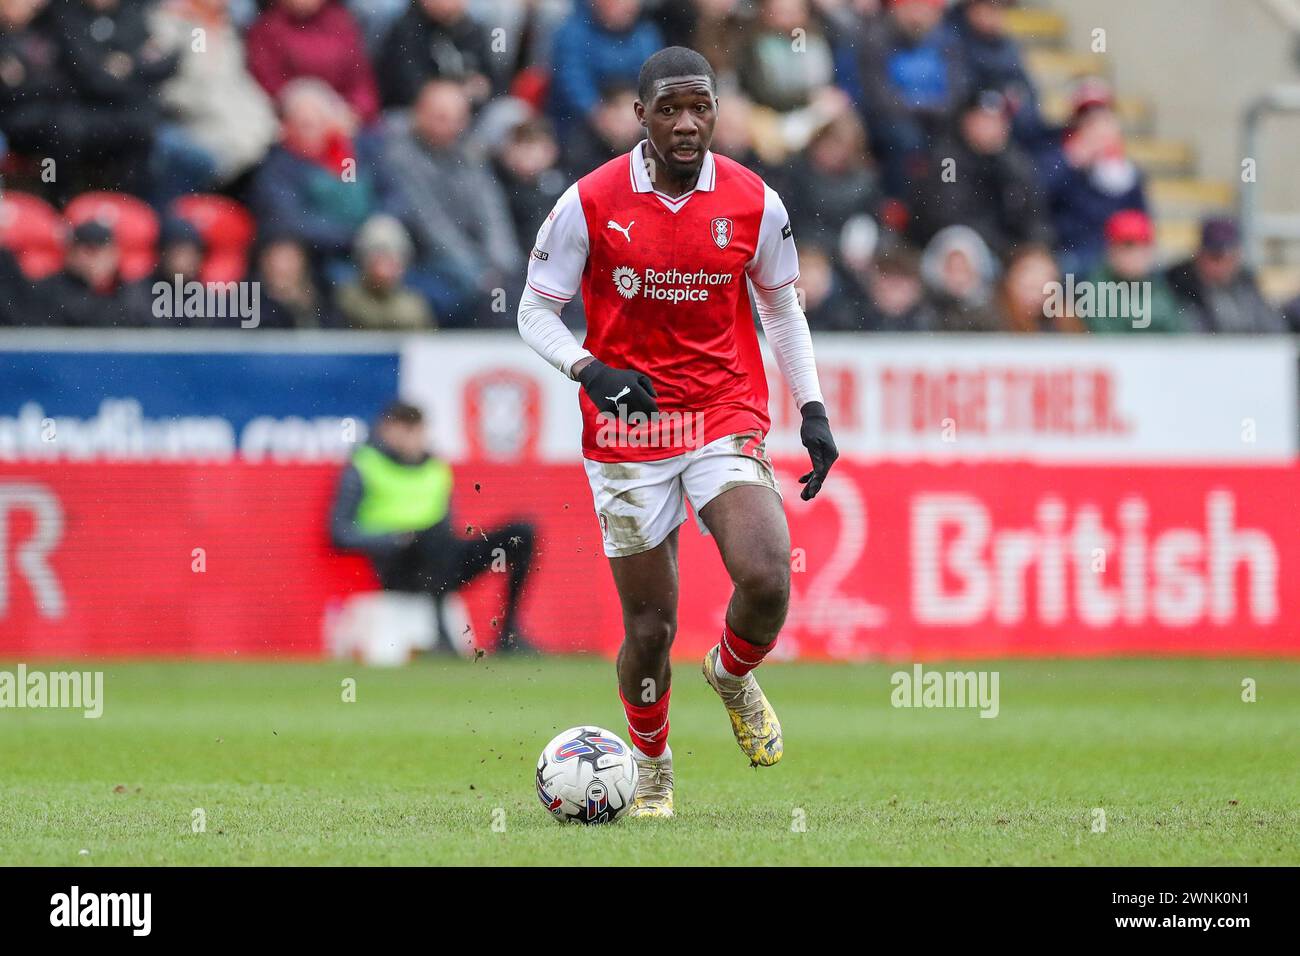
375,18
1089,178
454,207
15,292
778,68
831,181
1131,258
990,185
521,50
89,292
913,79
848,25
434,38
777,137
313,38
1024,297
892,294
602,40
992,59
525,163
827,304
716,29
39,112
959,271
116,68
212,97
674,19
733,135
181,254
321,182
1291,315
786,81
394,504
180,258
612,130
288,295
1216,292
180,251
378,300
859,241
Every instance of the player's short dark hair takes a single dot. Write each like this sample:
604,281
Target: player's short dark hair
403,413
671,61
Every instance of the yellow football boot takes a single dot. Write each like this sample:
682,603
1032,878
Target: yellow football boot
754,722
654,787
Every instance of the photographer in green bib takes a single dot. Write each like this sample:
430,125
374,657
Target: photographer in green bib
393,503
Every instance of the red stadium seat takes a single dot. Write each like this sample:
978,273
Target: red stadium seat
228,230
532,86
34,232
133,222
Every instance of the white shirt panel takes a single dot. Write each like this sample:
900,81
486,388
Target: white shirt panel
775,261
560,251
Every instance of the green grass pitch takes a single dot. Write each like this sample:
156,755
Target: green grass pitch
419,768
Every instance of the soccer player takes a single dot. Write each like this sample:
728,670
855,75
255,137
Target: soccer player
667,243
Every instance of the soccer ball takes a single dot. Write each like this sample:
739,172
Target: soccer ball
586,775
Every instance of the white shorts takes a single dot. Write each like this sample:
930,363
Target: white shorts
639,503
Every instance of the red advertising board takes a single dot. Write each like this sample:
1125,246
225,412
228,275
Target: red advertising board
903,562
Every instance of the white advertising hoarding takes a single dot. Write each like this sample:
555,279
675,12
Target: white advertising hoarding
952,398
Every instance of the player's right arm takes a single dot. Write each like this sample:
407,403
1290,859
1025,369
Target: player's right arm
554,273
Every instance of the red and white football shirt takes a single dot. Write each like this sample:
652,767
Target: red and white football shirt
664,281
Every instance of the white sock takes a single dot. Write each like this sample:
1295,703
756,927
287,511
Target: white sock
638,754
722,674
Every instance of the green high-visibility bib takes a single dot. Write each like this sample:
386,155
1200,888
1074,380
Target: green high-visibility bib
398,497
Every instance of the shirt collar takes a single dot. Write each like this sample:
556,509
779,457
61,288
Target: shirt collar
641,178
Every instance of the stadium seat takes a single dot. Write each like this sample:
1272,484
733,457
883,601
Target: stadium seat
532,85
34,232
133,222
228,230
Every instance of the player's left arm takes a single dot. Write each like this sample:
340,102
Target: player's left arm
773,273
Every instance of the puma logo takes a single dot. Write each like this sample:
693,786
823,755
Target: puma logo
615,398
626,231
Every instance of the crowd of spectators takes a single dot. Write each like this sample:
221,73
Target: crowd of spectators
398,156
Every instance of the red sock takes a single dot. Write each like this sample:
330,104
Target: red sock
737,655
648,725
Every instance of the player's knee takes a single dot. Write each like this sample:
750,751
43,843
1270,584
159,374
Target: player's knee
765,584
651,633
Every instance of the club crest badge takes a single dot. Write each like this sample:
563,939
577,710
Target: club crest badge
721,232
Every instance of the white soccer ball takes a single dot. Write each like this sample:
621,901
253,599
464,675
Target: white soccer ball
586,775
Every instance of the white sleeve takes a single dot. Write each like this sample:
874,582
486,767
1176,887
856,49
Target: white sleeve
775,261
787,333
545,333
560,251
554,272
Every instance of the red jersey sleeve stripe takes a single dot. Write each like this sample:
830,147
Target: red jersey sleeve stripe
779,285
550,295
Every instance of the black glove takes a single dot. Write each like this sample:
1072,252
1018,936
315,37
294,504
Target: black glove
611,387
815,433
